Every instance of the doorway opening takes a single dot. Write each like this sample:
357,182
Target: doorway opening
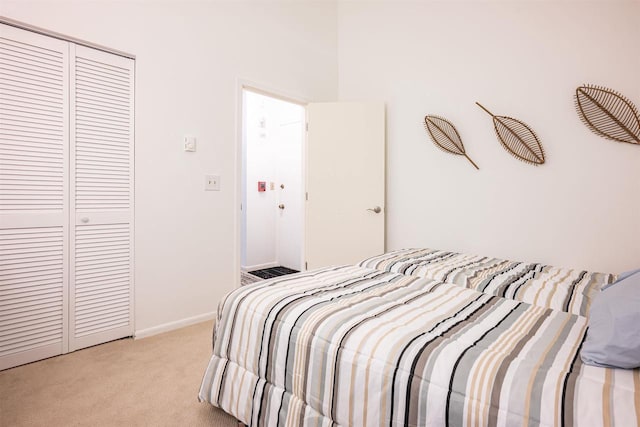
272,223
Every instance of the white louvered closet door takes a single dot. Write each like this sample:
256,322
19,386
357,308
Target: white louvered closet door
34,216
101,291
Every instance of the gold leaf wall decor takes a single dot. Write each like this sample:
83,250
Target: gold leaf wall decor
445,135
517,138
608,114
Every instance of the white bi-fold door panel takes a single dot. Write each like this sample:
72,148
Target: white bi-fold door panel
34,208
101,274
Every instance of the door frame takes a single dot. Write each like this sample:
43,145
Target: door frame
241,86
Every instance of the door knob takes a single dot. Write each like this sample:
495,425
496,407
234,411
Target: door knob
377,209
84,220
281,206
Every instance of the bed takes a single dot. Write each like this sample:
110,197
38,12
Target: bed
362,346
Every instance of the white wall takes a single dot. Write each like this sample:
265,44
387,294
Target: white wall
522,59
189,57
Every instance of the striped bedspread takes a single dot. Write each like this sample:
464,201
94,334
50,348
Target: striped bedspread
353,346
537,284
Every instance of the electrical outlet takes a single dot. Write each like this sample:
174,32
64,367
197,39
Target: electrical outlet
212,182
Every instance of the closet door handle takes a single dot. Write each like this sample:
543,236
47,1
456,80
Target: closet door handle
84,220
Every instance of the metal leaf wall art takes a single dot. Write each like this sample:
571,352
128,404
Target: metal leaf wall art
608,114
517,138
445,135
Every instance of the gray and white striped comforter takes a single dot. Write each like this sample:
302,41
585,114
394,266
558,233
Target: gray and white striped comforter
538,284
363,347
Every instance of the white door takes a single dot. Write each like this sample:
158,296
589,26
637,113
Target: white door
34,130
290,219
345,218
102,137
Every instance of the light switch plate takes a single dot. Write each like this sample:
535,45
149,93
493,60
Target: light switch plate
189,143
212,182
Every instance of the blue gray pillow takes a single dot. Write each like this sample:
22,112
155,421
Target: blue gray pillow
621,277
613,337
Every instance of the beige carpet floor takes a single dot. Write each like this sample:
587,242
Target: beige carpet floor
148,382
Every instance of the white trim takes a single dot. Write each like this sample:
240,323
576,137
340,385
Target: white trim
170,326
244,84
64,37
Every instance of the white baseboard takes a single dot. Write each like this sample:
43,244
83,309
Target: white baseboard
166,327
259,266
